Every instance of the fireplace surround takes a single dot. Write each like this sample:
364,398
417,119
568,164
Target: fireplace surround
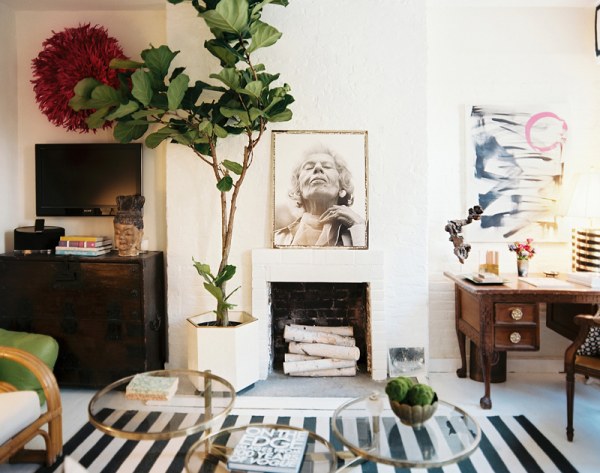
320,265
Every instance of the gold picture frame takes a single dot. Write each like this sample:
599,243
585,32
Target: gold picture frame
320,189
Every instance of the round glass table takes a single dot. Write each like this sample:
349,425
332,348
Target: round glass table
201,400
211,453
372,432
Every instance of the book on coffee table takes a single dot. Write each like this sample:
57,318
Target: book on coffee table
151,388
269,449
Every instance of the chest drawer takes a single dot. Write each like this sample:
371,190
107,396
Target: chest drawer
518,313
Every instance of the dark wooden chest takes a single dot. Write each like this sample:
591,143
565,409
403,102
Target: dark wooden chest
107,312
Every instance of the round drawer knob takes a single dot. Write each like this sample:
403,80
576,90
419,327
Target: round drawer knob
516,313
515,337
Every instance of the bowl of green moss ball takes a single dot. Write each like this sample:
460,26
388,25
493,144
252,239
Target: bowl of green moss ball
413,403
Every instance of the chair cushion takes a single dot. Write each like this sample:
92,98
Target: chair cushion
18,409
591,345
42,346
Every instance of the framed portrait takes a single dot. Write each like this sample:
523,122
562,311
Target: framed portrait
320,189
515,162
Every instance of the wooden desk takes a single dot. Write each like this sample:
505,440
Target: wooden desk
505,317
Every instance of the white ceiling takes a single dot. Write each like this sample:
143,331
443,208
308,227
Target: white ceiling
46,5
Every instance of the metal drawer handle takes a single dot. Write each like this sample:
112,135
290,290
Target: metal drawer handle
516,314
515,337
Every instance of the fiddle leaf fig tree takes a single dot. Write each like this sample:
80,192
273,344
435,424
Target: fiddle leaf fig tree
162,103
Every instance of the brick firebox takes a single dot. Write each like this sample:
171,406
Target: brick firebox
320,265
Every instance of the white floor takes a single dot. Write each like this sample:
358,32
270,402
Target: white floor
541,397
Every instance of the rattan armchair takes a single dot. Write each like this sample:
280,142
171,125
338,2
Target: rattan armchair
48,425
580,364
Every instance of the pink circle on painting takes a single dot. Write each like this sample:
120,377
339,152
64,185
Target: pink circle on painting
533,121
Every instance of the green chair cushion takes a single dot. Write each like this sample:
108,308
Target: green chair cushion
42,346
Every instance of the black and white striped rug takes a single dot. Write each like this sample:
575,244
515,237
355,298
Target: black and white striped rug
509,444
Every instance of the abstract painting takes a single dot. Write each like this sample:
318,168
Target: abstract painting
515,171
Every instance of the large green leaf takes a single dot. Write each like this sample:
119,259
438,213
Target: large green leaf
254,88
123,110
284,116
147,113
118,63
229,76
142,87
78,103
158,60
225,275
97,119
222,51
220,131
225,184
156,138
85,87
230,16
104,96
127,131
263,35
234,167
176,91
215,291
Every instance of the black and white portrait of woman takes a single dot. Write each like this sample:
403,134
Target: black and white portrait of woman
320,189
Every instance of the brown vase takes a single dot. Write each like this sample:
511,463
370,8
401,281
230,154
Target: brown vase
523,267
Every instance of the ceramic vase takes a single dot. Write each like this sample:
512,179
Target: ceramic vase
523,267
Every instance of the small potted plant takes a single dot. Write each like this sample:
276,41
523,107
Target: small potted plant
161,103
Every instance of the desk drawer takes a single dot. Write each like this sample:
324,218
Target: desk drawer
516,337
516,313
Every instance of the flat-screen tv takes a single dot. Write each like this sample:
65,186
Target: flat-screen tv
84,179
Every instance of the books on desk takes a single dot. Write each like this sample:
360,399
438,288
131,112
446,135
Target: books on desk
269,449
547,283
586,279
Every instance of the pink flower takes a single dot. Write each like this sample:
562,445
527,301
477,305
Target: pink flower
524,251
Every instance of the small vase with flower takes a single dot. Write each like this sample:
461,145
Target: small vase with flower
525,252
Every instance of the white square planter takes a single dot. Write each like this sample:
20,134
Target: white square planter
229,352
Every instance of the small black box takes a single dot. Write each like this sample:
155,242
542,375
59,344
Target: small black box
27,238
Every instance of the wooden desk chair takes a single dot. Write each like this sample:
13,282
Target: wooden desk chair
582,357
46,423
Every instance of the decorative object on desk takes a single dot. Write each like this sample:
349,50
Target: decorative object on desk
129,224
269,449
83,245
67,57
145,387
488,263
413,403
525,251
454,227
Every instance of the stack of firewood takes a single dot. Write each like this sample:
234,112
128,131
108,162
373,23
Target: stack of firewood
320,351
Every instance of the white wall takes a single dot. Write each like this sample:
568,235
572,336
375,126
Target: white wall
350,68
8,127
514,56
134,30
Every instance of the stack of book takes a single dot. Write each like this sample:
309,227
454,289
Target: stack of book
83,245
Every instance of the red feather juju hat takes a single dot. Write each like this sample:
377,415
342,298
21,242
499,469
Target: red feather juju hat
68,57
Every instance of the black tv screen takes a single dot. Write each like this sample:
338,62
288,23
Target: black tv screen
84,179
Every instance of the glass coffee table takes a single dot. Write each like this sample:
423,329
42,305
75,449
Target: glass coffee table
370,430
210,453
202,400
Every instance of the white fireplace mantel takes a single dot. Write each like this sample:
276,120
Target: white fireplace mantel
320,265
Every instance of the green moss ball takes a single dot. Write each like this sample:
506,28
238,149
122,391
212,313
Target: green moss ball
420,395
397,388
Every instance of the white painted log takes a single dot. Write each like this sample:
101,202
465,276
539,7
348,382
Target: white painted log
323,373
346,331
308,336
326,351
315,365
296,357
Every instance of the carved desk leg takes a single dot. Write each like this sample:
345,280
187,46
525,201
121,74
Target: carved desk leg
486,363
462,371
